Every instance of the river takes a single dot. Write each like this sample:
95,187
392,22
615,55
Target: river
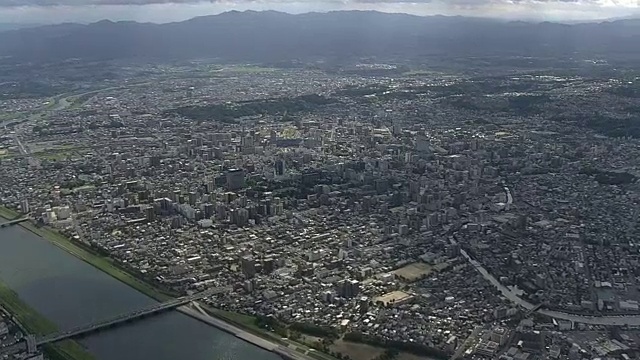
71,293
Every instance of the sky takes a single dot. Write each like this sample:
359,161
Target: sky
160,11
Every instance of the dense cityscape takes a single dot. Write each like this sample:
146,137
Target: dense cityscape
406,213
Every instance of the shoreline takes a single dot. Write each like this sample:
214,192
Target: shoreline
108,266
276,346
34,323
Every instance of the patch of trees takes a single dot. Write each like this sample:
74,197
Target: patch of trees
388,354
613,127
610,177
271,323
604,124
314,330
526,104
362,90
112,124
630,91
27,89
228,113
414,348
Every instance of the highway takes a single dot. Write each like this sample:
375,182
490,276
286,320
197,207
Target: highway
630,320
154,309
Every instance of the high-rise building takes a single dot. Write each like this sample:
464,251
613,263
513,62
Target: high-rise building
422,144
150,213
327,296
268,265
240,216
235,179
209,186
175,196
221,212
24,206
348,288
155,161
248,266
209,210
279,167
247,145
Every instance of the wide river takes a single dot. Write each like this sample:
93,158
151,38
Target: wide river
71,293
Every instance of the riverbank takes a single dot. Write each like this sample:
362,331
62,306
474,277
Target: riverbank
102,263
36,324
235,325
244,322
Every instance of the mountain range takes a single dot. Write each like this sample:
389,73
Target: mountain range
275,36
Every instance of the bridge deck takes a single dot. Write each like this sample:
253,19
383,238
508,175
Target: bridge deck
154,309
13,222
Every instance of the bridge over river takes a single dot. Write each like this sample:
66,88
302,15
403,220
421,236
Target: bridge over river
124,318
13,222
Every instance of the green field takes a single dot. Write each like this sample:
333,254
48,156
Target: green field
7,213
36,324
54,155
248,69
248,323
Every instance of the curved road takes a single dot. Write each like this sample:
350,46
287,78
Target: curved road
630,320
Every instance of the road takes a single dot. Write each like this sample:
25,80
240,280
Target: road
23,150
198,313
465,345
630,320
62,102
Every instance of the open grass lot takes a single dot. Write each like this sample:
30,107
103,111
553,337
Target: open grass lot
247,321
38,325
8,213
356,351
413,272
56,155
57,152
409,356
248,69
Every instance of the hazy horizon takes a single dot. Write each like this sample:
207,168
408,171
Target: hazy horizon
163,11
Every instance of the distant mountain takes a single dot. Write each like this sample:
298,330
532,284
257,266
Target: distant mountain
275,36
12,26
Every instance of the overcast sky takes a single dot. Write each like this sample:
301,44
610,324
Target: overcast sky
54,11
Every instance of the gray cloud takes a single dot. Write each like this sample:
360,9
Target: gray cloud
45,3
159,11
20,3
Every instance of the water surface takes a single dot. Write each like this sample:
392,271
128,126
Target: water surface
72,293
